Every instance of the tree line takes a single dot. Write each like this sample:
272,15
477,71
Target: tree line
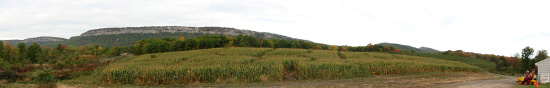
514,64
22,53
205,42
61,55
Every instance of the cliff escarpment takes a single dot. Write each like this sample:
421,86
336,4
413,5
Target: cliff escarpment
182,29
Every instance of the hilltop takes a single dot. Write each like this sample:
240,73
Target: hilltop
407,47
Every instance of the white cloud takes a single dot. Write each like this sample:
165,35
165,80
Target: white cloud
486,26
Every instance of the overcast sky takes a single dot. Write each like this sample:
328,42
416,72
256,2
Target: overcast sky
501,27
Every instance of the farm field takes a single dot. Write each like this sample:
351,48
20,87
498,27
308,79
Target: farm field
246,65
413,80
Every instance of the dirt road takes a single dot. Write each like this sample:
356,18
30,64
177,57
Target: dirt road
437,80
420,80
504,82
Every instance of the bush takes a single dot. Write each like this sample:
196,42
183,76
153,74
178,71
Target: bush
5,65
313,58
153,56
60,64
291,70
309,51
342,56
291,65
44,78
9,75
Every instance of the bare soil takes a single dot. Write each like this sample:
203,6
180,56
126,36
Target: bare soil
423,80
503,82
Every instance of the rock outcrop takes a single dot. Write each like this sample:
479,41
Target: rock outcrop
182,29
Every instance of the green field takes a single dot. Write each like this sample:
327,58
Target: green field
229,65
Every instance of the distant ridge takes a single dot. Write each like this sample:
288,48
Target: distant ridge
127,36
36,40
428,49
183,29
407,47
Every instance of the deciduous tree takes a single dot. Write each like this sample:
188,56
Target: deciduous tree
333,47
182,38
525,54
541,55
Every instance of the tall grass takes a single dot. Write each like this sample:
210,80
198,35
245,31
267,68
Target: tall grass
265,64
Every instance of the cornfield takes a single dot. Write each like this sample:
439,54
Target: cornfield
264,64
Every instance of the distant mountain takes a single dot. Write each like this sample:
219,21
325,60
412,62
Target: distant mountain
428,49
407,47
127,36
39,40
183,29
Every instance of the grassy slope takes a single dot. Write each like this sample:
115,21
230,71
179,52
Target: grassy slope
264,64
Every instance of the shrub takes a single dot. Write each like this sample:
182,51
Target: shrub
4,64
8,75
291,70
313,58
342,56
44,78
60,64
290,65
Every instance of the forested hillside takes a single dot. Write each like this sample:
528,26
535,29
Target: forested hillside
125,40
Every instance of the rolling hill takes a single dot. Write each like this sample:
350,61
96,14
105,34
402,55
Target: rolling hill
407,47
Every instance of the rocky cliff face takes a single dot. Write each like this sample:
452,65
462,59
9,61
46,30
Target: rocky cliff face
182,29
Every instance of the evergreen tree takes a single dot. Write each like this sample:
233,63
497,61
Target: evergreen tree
22,53
2,50
59,48
35,53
